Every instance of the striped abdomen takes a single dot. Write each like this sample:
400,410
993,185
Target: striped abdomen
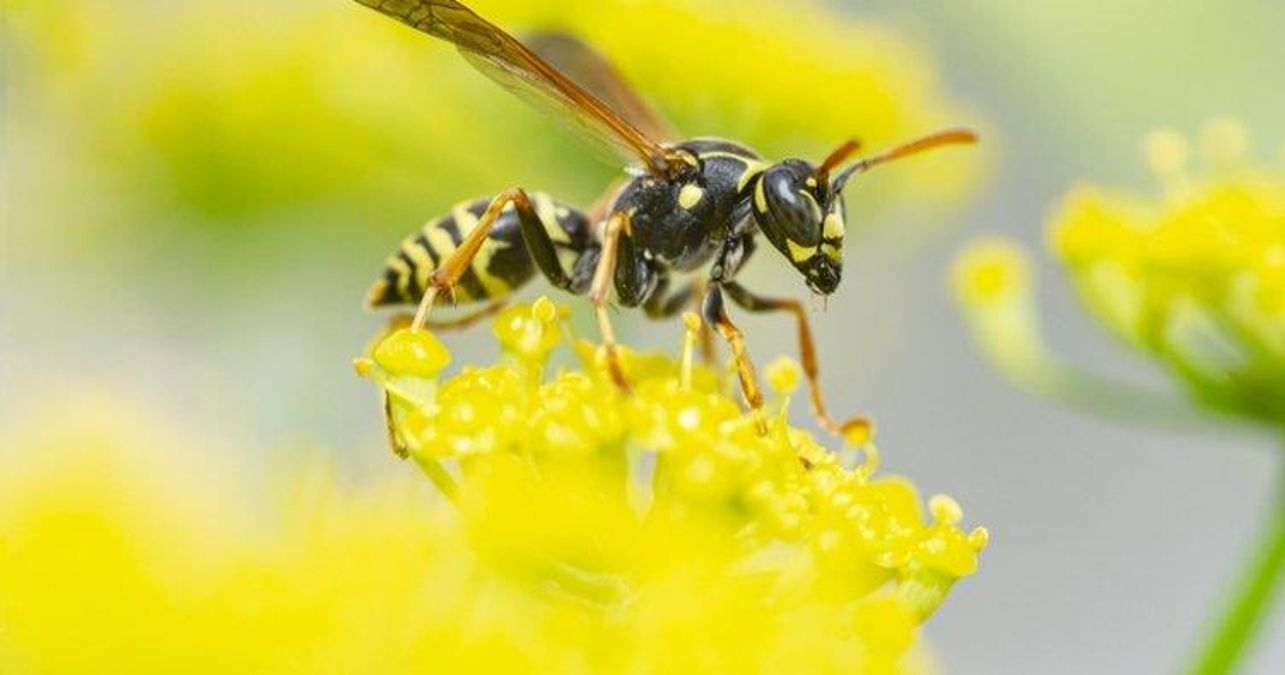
502,264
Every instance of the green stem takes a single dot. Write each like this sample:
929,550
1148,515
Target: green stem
438,474
1254,593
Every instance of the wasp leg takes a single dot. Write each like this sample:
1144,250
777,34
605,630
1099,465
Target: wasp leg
603,276
449,272
807,351
716,314
665,305
705,339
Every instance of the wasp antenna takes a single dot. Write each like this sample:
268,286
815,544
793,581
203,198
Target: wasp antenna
929,142
836,158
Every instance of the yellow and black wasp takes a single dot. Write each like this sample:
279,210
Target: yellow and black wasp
688,205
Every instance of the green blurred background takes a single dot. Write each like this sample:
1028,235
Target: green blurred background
196,195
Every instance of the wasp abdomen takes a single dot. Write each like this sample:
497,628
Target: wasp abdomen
500,267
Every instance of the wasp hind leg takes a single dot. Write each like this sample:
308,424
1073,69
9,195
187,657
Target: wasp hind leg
448,274
405,319
807,354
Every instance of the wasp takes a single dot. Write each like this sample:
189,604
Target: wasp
687,208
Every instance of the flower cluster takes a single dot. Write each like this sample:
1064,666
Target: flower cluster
663,527
577,529
1194,278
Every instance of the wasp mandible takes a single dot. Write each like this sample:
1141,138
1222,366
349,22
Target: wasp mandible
687,206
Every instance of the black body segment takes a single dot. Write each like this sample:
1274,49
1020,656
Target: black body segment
679,225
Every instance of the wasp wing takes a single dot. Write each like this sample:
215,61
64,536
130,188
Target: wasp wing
507,61
594,72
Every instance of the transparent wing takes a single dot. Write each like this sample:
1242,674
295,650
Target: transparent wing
510,63
588,68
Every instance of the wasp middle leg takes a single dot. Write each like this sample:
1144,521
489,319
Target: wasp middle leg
604,276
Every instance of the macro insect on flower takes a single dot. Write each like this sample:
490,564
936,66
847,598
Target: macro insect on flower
688,205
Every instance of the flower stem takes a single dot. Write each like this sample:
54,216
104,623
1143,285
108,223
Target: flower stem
438,474
1254,593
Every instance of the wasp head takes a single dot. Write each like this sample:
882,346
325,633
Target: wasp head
801,213
799,207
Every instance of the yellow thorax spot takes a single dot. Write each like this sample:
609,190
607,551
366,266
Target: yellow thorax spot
690,196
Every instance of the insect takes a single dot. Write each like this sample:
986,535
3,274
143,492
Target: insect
688,207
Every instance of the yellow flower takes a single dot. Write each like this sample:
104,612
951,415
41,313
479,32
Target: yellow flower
582,531
1194,277
707,542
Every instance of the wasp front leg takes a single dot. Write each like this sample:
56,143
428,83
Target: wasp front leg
734,254
716,314
807,354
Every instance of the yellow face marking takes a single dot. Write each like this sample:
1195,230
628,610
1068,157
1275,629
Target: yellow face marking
811,182
832,252
495,286
833,226
800,253
690,196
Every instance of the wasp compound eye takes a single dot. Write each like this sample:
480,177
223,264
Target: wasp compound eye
789,204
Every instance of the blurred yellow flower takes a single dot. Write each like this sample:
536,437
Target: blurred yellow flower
239,108
578,530
1194,278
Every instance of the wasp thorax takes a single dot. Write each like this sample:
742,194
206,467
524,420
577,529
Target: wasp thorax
803,217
